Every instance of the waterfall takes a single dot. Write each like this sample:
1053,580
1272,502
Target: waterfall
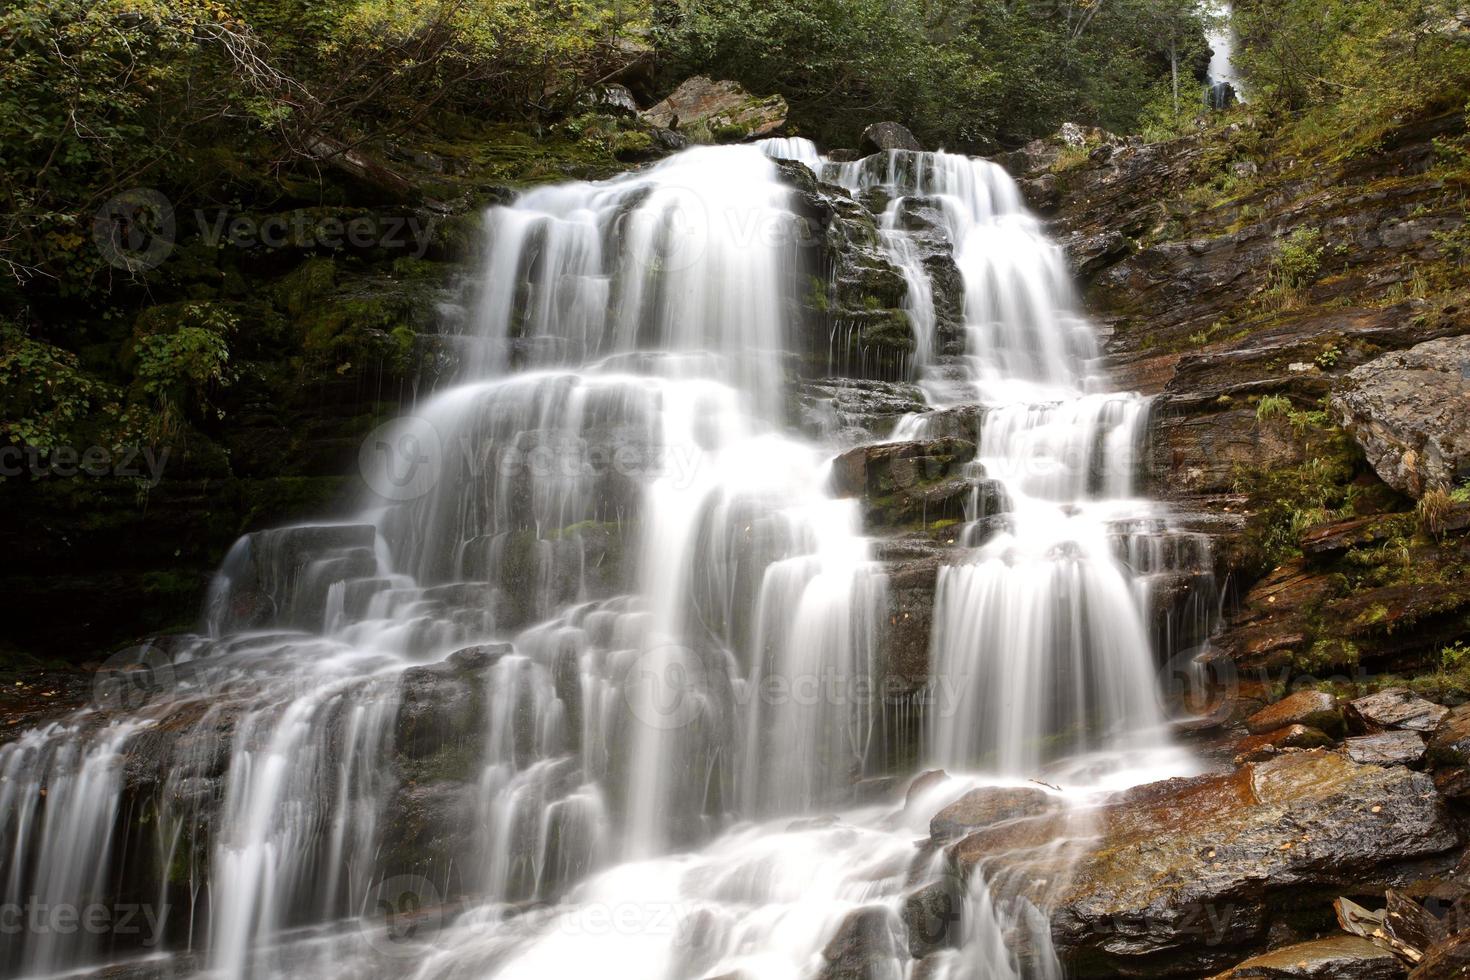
586,684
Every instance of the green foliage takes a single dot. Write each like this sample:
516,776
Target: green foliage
1353,66
958,73
1298,259
1272,406
180,364
48,401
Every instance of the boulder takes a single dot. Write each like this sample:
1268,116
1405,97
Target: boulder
1181,871
1387,749
932,914
913,482
708,111
612,99
1393,708
1315,709
988,805
1333,958
1410,411
865,944
1450,743
883,136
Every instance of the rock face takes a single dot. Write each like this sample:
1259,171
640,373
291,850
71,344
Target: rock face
1184,875
887,136
1334,958
717,112
1410,411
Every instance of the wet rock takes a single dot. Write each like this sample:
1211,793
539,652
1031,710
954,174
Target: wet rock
1209,857
1333,958
283,575
440,704
863,948
932,914
883,136
1315,709
708,111
1393,708
1449,960
906,482
1257,748
850,411
1410,411
1387,749
1410,923
1450,743
988,805
923,783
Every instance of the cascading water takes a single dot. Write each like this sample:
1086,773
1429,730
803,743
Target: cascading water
604,611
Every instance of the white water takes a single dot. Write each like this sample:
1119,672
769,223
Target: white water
687,621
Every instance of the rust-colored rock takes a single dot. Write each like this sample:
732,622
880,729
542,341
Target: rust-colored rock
1315,709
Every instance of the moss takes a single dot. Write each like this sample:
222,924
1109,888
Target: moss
299,290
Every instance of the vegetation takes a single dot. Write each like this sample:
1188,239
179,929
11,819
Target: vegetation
962,73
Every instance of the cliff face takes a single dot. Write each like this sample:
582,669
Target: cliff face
1274,301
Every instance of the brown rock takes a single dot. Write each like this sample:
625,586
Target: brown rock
1333,958
1182,870
1450,743
1315,709
1392,708
1450,960
1387,749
